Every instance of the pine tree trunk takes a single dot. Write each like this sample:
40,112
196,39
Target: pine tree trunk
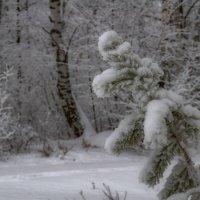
62,61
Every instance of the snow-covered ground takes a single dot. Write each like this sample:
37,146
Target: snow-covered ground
31,177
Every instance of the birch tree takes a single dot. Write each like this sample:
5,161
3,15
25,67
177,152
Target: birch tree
62,63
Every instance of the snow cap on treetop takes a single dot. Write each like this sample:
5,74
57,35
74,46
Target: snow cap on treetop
108,41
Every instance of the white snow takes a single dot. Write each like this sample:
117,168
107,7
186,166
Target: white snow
106,39
123,48
168,94
98,140
124,128
191,111
155,128
148,63
194,115
88,129
30,177
143,71
101,81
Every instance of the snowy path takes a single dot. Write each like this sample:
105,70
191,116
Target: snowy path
52,179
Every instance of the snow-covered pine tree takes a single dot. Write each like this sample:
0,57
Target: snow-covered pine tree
130,76
159,118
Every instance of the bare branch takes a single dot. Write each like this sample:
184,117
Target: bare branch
71,38
46,31
190,9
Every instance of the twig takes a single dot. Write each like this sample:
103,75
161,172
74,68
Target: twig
71,38
45,30
189,10
82,195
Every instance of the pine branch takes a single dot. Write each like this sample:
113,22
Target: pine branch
188,161
159,161
179,181
132,139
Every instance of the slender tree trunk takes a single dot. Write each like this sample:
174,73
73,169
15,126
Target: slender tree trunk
28,20
113,15
1,5
194,67
18,26
90,84
173,38
19,67
197,26
62,61
93,103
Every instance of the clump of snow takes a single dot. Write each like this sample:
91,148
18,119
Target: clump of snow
155,128
155,69
107,39
123,48
168,94
124,128
191,111
100,82
108,82
146,62
194,115
144,71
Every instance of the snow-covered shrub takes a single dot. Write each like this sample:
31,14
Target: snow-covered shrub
21,140
13,137
7,125
159,118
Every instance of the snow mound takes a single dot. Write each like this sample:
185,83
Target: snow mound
99,139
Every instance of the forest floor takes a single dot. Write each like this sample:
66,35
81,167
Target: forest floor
32,177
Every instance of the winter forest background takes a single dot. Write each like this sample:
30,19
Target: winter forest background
49,57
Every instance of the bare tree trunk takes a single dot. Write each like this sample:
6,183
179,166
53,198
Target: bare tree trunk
194,68
173,38
62,61
19,67
1,5
28,20
18,26
113,15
